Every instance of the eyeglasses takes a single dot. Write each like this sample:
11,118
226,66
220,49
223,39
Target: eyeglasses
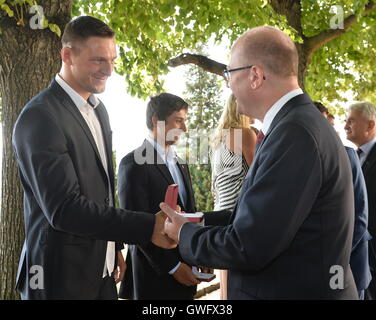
226,73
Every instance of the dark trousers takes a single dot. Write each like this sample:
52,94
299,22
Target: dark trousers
108,289
371,290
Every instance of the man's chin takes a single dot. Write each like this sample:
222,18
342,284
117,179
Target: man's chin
98,89
351,139
101,90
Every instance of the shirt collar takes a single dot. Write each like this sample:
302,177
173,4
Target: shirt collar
170,155
272,112
77,99
366,148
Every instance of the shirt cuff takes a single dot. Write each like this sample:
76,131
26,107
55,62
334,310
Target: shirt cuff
172,271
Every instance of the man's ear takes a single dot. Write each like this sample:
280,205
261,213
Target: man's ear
66,55
256,77
371,125
154,120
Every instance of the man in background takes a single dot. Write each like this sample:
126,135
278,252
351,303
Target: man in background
144,175
359,261
361,130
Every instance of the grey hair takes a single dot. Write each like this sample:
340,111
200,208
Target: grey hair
367,108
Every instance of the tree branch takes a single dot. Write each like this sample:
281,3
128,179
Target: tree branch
291,9
199,60
317,41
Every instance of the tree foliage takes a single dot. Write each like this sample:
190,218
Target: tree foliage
151,32
345,63
20,10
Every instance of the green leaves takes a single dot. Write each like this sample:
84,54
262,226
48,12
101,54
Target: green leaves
55,29
19,9
6,8
153,31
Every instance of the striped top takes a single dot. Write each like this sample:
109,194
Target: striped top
228,172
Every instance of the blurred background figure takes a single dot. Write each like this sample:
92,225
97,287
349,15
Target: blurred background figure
233,147
359,261
361,130
331,119
324,110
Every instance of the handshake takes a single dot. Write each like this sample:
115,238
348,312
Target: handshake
168,222
167,227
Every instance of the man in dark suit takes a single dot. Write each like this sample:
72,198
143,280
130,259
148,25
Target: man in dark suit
359,261
361,130
359,253
144,175
290,235
62,141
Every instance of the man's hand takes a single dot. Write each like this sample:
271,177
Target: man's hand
174,222
185,276
121,267
159,238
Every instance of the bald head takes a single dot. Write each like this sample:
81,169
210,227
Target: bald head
271,49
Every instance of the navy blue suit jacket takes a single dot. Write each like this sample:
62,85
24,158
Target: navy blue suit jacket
290,235
359,254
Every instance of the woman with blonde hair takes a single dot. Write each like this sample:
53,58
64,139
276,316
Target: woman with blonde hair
233,147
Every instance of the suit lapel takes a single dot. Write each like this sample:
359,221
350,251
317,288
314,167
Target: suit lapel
370,160
183,167
162,168
72,108
159,163
298,100
100,111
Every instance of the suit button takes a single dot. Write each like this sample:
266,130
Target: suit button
107,201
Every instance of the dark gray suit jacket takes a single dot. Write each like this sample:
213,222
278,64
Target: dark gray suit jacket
66,198
291,231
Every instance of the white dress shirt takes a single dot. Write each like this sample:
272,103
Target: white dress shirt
170,160
87,111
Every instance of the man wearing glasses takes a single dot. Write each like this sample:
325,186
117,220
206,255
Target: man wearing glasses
290,235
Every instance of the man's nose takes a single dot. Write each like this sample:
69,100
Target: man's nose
107,68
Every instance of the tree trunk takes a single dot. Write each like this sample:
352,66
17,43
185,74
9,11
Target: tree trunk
304,60
28,61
